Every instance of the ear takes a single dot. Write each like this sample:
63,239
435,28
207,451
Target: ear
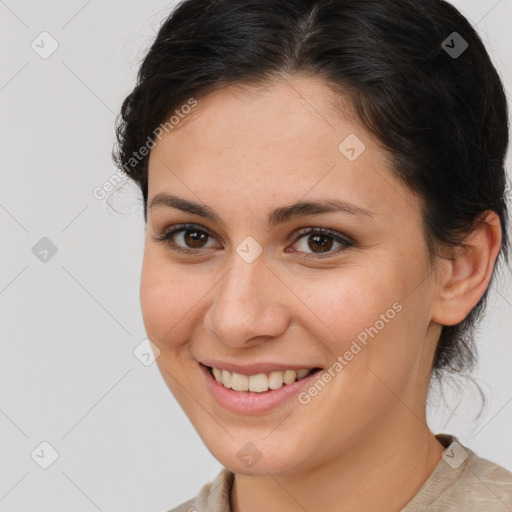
466,275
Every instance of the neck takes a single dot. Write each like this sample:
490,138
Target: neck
380,472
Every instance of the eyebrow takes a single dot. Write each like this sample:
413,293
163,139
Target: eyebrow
277,216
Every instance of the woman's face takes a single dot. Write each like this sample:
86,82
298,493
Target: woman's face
259,294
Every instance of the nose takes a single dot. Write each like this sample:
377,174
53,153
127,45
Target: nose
245,308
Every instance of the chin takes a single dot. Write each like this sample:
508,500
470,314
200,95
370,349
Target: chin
252,456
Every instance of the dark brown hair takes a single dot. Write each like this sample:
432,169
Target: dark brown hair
442,117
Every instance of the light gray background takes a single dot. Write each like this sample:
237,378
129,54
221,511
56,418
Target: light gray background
68,374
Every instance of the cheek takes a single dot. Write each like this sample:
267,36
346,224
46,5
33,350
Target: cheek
170,303
368,318
349,303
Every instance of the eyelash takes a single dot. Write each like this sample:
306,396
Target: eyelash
166,238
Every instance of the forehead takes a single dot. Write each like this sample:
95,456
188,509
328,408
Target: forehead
277,118
291,140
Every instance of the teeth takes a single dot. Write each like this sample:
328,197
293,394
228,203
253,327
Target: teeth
302,373
289,376
226,378
275,380
239,382
258,383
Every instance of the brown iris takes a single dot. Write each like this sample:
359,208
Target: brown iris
323,241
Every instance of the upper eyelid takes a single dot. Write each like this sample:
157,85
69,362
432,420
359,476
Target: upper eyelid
299,231
296,235
176,228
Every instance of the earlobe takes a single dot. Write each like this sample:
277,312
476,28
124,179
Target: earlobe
468,272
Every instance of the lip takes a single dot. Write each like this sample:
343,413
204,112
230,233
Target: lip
254,368
251,403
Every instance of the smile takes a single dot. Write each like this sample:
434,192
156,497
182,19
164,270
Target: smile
264,390
259,383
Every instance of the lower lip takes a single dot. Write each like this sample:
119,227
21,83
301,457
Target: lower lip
248,402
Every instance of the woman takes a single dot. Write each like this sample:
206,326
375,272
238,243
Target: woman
324,196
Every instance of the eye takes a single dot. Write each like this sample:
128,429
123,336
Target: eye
320,241
191,239
186,238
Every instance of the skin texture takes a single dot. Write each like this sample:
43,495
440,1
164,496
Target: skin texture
363,442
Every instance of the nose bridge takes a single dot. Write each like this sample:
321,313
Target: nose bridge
243,306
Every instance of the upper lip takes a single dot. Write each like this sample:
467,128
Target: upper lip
255,368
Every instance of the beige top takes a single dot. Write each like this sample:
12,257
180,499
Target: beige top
461,481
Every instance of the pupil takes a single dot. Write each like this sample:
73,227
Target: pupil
327,243
195,239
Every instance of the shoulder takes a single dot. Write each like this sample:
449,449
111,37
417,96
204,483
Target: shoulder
464,481
213,496
187,506
488,482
